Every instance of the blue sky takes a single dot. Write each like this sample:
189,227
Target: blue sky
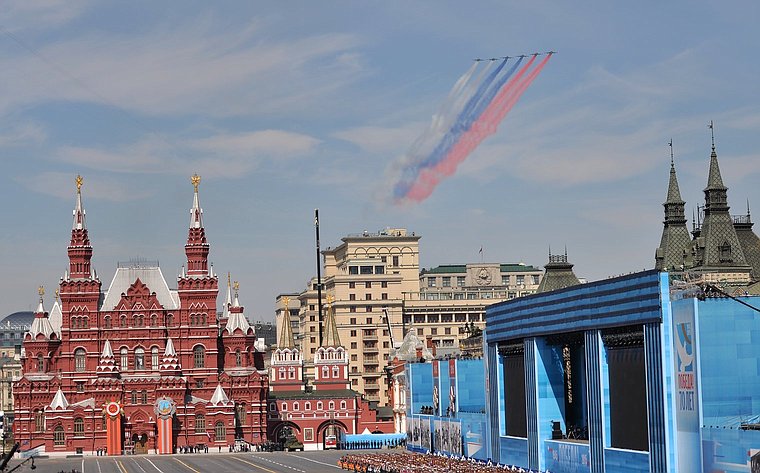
283,107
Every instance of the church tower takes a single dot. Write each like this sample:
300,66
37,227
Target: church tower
718,251
286,372
80,286
675,243
197,288
331,359
749,241
238,337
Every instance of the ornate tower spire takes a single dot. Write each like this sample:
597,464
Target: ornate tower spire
675,239
331,337
228,300
286,335
718,247
170,362
197,247
80,251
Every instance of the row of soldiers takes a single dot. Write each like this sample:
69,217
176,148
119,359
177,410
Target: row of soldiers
408,462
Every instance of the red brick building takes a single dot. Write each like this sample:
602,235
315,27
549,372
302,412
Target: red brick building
139,365
328,407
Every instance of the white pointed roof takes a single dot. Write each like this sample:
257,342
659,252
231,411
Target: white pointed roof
107,363
170,361
56,318
107,350
150,276
219,397
196,212
79,212
228,300
41,323
408,349
59,401
236,321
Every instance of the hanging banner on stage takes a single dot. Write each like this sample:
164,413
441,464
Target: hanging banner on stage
112,414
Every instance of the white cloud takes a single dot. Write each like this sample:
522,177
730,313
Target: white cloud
19,15
385,140
192,68
220,155
60,184
22,134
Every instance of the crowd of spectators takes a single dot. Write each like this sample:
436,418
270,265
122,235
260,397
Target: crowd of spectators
408,462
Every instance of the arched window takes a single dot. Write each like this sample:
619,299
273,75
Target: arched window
199,356
282,373
79,360
39,421
78,427
238,358
220,432
124,359
169,320
296,406
123,321
107,321
139,358
325,372
153,320
200,423
307,406
86,322
284,407
154,358
336,372
203,318
332,405
292,373
133,396
59,436
342,404
40,363
192,320
319,405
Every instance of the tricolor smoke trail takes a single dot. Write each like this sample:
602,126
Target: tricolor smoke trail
472,111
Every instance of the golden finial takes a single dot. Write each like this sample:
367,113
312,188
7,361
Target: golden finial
196,179
236,286
286,300
330,299
79,182
229,284
41,291
56,295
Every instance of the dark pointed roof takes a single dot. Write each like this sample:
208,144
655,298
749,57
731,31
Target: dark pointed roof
675,241
749,242
714,179
558,274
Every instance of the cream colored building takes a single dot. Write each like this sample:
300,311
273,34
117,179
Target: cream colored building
371,274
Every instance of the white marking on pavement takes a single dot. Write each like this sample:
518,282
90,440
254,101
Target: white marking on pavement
138,465
154,465
319,462
280,464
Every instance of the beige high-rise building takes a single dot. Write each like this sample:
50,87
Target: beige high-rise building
371,274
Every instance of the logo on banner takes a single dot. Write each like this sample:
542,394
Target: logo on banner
685,350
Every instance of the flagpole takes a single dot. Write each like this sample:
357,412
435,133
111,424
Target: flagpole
319,276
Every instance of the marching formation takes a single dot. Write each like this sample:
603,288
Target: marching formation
407,462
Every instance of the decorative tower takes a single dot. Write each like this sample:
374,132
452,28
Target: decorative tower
41,341
718,251
558,273
287,361
197,247
80,287
170,365
675,244
331,359
197,289
238,336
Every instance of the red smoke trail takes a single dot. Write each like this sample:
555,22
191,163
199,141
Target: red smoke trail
507,97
